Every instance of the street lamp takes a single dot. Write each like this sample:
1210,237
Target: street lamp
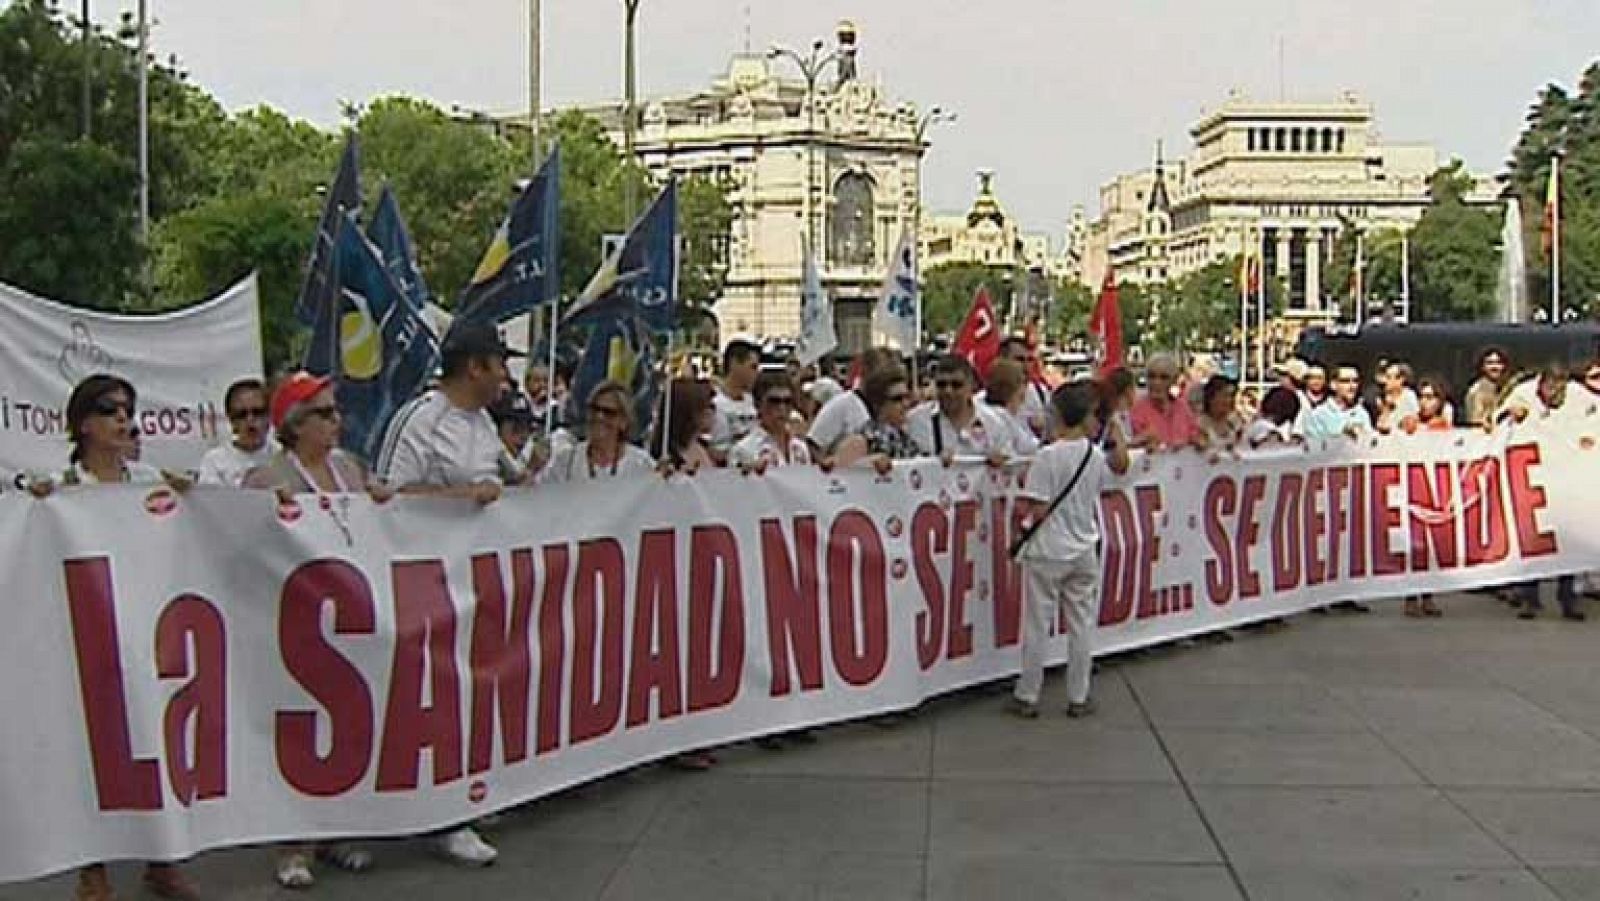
811,66
630,96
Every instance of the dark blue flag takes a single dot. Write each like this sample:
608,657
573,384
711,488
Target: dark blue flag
386,352
518,271
387,230
344,196
642,276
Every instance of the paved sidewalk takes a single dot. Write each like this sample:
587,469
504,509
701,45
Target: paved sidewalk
1361,757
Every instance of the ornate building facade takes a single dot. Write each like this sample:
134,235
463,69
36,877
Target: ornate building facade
842,163
984,234
1283,180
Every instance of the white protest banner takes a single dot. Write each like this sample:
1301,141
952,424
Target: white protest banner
180,363
188,672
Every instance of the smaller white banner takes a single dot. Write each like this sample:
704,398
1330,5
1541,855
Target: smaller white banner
180,363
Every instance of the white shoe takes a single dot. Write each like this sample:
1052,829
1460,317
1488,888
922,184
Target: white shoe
463,846
294,872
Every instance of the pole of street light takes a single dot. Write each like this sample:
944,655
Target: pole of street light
535,76
630,98
934,116
88,72
811,68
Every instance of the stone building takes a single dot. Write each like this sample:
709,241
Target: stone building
1283,179
847,158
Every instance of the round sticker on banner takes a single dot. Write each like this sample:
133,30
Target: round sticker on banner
963,483
895,526
898,569
915,480
1148,465
325,502
289,512
1022,478
1177,473
944,498
161,502
1177,549
1586,442
1194,522
983,532
478,791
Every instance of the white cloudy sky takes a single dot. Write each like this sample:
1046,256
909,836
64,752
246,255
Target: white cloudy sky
1056,95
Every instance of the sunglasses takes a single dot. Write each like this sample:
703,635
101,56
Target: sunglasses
604,412
329,412
779,400
247,413
110,406
950,384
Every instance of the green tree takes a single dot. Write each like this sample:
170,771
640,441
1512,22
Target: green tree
1454,262
1569,125
1074,304
67,222
705,220
948,290
1200,311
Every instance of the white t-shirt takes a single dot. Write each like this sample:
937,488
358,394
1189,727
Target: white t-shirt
1074,527
734,420
431,441
1405,405
1024,443
571,464
760,446
133,473
839,418
935,434
227,465
1526,395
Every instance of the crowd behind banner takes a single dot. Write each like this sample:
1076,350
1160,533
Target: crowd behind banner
473,435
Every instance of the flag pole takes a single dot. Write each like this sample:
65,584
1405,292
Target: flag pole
1261,307
1555,240
1244,314
550,374
1405,277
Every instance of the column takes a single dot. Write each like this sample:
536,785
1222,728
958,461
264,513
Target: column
1314,269
1285,236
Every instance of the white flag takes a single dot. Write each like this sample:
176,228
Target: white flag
898,314
817,338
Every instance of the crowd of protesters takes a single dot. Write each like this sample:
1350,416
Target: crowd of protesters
475,433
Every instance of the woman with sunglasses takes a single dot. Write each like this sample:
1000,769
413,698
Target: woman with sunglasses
604,453
884,439
774,442
100,426
305,418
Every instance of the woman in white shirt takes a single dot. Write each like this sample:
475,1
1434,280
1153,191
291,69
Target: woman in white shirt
604,453
104,443
773,441
1005,392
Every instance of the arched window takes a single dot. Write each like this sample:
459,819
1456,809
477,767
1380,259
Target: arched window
850,238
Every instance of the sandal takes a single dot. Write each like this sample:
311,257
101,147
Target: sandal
1411,608
294,871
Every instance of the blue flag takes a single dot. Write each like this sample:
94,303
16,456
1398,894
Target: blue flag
344,196
518,271
386,352
619,349
387,230
642,276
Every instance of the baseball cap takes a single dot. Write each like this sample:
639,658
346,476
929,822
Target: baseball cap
513,406
294,390
472,341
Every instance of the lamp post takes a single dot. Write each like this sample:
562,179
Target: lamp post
535,78
811,66
936,115
630,86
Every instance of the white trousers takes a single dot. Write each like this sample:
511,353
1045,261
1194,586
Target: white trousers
1072,586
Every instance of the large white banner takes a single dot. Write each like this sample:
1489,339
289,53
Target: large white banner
179,362
186,672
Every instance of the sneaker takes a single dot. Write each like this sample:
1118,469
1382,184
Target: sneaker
294,871
463,846
345,856
1024,709
1081,710
167,881
1576,616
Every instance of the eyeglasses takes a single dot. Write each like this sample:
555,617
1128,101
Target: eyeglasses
328,412
247,413
602,411
779,400
110,406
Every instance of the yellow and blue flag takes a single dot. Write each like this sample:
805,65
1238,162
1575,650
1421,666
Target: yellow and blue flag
641,277
518,271
344,197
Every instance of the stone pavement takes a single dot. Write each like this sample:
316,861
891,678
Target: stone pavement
1362,757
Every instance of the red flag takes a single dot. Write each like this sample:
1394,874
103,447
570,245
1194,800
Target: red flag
979,338
1105,325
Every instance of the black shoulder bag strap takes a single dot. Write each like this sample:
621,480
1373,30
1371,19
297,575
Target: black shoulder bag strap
1022,540
938,435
